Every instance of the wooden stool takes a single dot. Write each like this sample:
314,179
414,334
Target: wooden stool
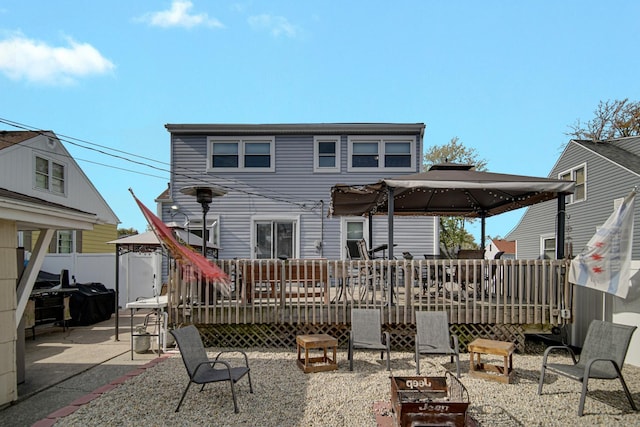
498,348
316,341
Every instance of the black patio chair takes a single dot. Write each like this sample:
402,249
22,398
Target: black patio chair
602,357
203,370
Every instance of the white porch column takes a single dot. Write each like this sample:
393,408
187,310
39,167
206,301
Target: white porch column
8,278
31,272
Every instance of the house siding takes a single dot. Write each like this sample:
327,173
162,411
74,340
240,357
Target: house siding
293,190
95,241
17,174
605,182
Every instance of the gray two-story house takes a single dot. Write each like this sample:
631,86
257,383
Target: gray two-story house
605,172
277,179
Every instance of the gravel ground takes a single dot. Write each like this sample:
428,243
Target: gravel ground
285,396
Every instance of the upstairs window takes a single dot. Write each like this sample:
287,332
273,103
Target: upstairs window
326,154
257,155
397,155
382,153
579,175
49,175
237,154
224,155
365,154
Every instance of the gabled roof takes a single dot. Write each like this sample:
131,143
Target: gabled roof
82,194
11,138
165,196
614,153
506,246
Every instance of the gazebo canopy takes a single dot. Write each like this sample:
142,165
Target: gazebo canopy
447,189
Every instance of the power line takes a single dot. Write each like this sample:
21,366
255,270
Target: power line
76,142
118,168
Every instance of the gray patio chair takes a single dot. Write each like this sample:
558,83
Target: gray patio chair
203,370
602,357
366,332
433,337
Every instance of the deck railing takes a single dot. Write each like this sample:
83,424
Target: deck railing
323,291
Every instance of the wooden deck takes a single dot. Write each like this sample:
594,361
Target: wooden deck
320,291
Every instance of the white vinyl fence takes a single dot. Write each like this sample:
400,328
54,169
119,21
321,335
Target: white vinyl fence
139,272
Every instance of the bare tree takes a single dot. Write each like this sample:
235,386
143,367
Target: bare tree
453,235
455,152
612,119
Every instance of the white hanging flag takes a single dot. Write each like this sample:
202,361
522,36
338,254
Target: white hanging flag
605,262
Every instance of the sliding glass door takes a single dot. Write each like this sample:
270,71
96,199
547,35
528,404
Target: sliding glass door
275,239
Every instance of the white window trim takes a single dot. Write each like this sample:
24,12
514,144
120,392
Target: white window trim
213,222
548,236
276,217
381,139
570,197
242,140
343,232
65,168
316,154
72,249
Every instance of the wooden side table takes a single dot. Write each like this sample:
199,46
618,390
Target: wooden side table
318,363
488,371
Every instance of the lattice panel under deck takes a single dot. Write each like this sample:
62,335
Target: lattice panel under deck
402,335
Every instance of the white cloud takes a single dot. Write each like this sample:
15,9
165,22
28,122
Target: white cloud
276,25
179,16
35,61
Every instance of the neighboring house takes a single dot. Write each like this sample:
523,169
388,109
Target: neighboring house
43,192
37,164
604,172
278,179
505,249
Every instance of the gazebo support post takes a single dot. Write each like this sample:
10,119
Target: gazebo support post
560,227
483,231
117,326
370,216
390,205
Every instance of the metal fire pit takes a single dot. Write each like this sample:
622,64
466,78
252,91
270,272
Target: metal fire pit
429,401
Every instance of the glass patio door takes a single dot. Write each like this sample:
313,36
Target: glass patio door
354,233
275,239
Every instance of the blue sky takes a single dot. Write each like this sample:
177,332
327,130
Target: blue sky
508,78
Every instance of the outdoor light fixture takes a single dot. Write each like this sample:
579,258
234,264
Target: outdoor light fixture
204,195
